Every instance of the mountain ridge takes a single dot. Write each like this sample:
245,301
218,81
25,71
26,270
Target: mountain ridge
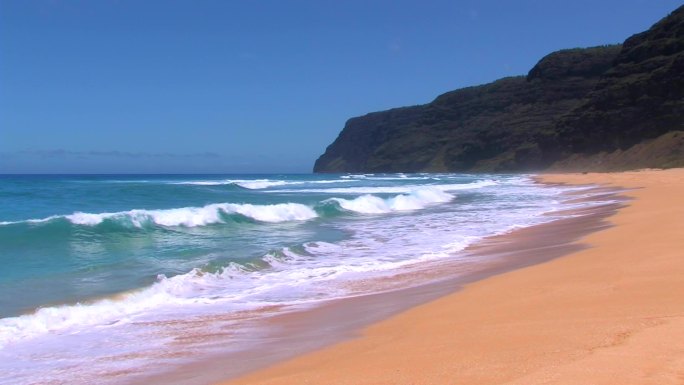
582,108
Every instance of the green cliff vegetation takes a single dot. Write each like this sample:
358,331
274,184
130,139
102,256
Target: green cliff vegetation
612,107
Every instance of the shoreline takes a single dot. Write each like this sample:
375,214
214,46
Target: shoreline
539,323
294,333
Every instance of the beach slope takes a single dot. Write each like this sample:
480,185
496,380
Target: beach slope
612,313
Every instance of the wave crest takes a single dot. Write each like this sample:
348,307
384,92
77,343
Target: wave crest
406,189
188,216
258,184
417,199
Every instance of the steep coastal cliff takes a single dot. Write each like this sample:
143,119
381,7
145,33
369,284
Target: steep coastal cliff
602,108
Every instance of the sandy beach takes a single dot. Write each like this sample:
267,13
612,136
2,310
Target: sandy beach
610,313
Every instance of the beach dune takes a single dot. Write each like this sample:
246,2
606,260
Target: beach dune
611,313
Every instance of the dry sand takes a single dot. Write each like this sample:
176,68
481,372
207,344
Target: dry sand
610,314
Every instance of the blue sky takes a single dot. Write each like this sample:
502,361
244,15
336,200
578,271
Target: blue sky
255,86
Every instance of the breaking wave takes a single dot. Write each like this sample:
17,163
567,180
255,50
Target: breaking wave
187,216
416,199
216,213
258,184
407,189
277,274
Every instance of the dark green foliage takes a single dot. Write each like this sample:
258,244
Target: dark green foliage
575,101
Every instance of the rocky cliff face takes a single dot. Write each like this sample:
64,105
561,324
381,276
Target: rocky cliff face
641,96
574,104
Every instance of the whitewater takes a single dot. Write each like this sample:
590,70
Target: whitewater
110,274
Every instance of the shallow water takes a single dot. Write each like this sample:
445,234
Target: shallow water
94,265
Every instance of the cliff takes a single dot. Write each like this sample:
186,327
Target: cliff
576,109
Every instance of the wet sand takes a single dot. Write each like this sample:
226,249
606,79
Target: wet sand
610,311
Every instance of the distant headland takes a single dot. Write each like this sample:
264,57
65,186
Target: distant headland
607,108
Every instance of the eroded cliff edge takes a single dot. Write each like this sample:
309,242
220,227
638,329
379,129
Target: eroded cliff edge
602,108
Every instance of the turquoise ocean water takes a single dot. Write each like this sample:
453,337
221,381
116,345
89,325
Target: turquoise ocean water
96,270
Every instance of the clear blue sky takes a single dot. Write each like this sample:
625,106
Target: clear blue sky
255,86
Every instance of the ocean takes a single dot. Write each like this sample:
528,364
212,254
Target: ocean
109,277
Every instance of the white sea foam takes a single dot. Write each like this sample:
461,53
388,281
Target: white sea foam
273,213
292,276
401,177
252,184
167,291
357,176
40,220
416,199
201,216
290,280
411,197
65,342
188,216
395,189
261,184
258,184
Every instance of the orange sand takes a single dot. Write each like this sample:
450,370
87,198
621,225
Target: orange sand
610,314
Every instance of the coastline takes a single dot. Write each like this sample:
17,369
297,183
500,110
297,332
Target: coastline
411,258
603,314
